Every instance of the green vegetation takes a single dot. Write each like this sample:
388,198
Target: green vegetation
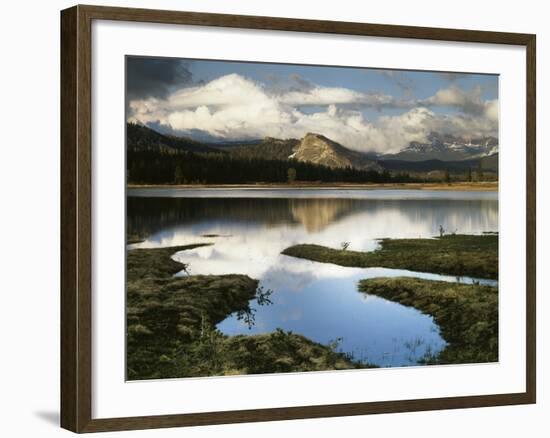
171,325
291,175
480,176
223,167
278,352
154,158
132,239
143,265
139,138
471,255
133,236
171,321
445,171
269,148
466,314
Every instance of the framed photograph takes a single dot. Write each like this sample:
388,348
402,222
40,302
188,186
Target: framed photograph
269,218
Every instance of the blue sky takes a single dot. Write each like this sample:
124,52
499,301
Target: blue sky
424,83
365,109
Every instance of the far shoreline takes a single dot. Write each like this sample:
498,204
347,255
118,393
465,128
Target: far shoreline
488,186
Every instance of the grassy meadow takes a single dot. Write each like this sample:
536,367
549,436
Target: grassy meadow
471,255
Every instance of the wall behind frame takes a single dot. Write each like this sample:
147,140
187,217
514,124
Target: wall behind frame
29,181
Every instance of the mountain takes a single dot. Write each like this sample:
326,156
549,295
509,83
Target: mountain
141,138
318,149
489,163
231,144
443,153
268,149
446,148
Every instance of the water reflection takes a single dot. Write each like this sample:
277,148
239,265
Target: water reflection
359,221
326,310
320,301
247,316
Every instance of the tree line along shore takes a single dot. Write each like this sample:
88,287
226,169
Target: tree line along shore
453,186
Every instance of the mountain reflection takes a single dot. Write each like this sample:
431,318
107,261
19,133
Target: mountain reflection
146,216
317,214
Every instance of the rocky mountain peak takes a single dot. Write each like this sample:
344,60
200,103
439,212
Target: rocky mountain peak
318,149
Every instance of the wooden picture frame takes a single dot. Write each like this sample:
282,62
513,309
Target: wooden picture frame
76,217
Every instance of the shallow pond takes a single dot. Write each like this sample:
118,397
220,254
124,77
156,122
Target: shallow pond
250,228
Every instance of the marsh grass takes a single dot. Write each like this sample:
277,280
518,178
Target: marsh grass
456,254
171,325
466,314
132,238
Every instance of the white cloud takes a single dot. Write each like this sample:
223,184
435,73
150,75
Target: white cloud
234,107
335,96
469,102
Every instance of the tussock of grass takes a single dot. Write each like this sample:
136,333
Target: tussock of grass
471,255
134,238
466,314
154,263
277,352
171,325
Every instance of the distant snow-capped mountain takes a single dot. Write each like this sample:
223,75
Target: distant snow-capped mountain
446,148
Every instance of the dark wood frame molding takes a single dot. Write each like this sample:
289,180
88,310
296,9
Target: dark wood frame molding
76,173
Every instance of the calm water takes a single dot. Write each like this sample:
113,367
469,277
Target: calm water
317,300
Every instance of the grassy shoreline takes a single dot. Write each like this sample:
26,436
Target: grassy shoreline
455,186
171,321
466,314
460,255
171,325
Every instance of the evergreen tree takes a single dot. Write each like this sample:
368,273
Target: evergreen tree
480,172
178,175
149,166
291,175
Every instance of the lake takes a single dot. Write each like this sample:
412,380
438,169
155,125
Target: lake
250,227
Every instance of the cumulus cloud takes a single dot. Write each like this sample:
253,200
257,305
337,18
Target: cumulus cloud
319,96
469,102
234,107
